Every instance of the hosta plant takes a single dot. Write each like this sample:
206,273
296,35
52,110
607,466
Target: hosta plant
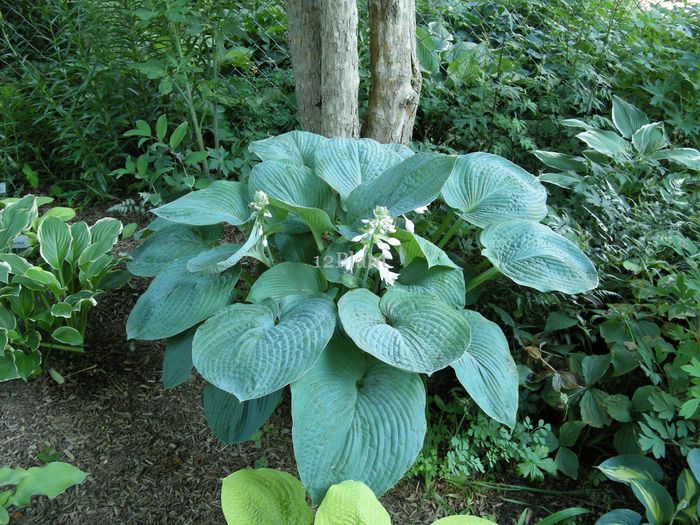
51,274
347,304
263,496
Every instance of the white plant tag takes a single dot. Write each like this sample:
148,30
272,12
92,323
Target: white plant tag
20,242
3,188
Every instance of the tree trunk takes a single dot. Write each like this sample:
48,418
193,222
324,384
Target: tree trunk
395,73
340,78
304,36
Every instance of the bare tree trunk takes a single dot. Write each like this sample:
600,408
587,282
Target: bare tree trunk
396,77
304,35
340,79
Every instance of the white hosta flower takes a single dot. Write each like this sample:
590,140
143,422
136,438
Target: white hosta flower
408,224
421,210
349,262
260,201
385,273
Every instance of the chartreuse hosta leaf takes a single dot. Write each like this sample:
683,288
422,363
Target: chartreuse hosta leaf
351,502
49,480
263,497
298,190
487,370
178,299
412,331
533,255
295,147
486,188
355,418
446,284
233,421
54,241
163,247
285,279
223,201
252,350
347,163
413,183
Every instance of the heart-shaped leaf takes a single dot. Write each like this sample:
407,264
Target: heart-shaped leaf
223,201
347,163
356,418
295,147
446,284
488,372
351,502
178,299
411,331
486,189
287,278
54,241
533,255
250,350
264,496
163,247
232,421
413,183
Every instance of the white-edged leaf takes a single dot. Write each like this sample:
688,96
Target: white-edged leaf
606,142
54,241
649,138
627,118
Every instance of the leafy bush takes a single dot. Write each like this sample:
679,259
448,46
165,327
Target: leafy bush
350,335
52,273
50,480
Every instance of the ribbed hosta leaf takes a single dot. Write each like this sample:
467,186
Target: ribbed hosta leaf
446,284
487,370
351,503
223,201
208,261
178,299
346,163
286,279
356,418
263,497
486,188
533,255
163,247
296,189
232,421
295,147
413,183
250,350
409,330
413,246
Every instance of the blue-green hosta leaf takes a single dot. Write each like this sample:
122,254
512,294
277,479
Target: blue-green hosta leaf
329,262
163,247
285,279
656,500
351,502
263,497
50,480
223,201
649,138
177,361
54,241
295,247
347,163
487,370
401,149
608,143
219,258
295,147
626,467
486,188
413,245
178,299
356,418
627,118
413,183
688,157
620,517
561,161
532,255
409,330
250,350
694,463
232,421
445,284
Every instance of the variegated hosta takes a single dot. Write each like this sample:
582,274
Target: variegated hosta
348,305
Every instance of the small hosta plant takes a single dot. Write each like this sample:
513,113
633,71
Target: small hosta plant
348,305
51,273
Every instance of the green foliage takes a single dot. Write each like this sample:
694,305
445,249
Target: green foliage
351,342
52,273
263,496
20,485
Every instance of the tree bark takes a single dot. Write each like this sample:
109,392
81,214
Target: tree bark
395,73
340,78
304,37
